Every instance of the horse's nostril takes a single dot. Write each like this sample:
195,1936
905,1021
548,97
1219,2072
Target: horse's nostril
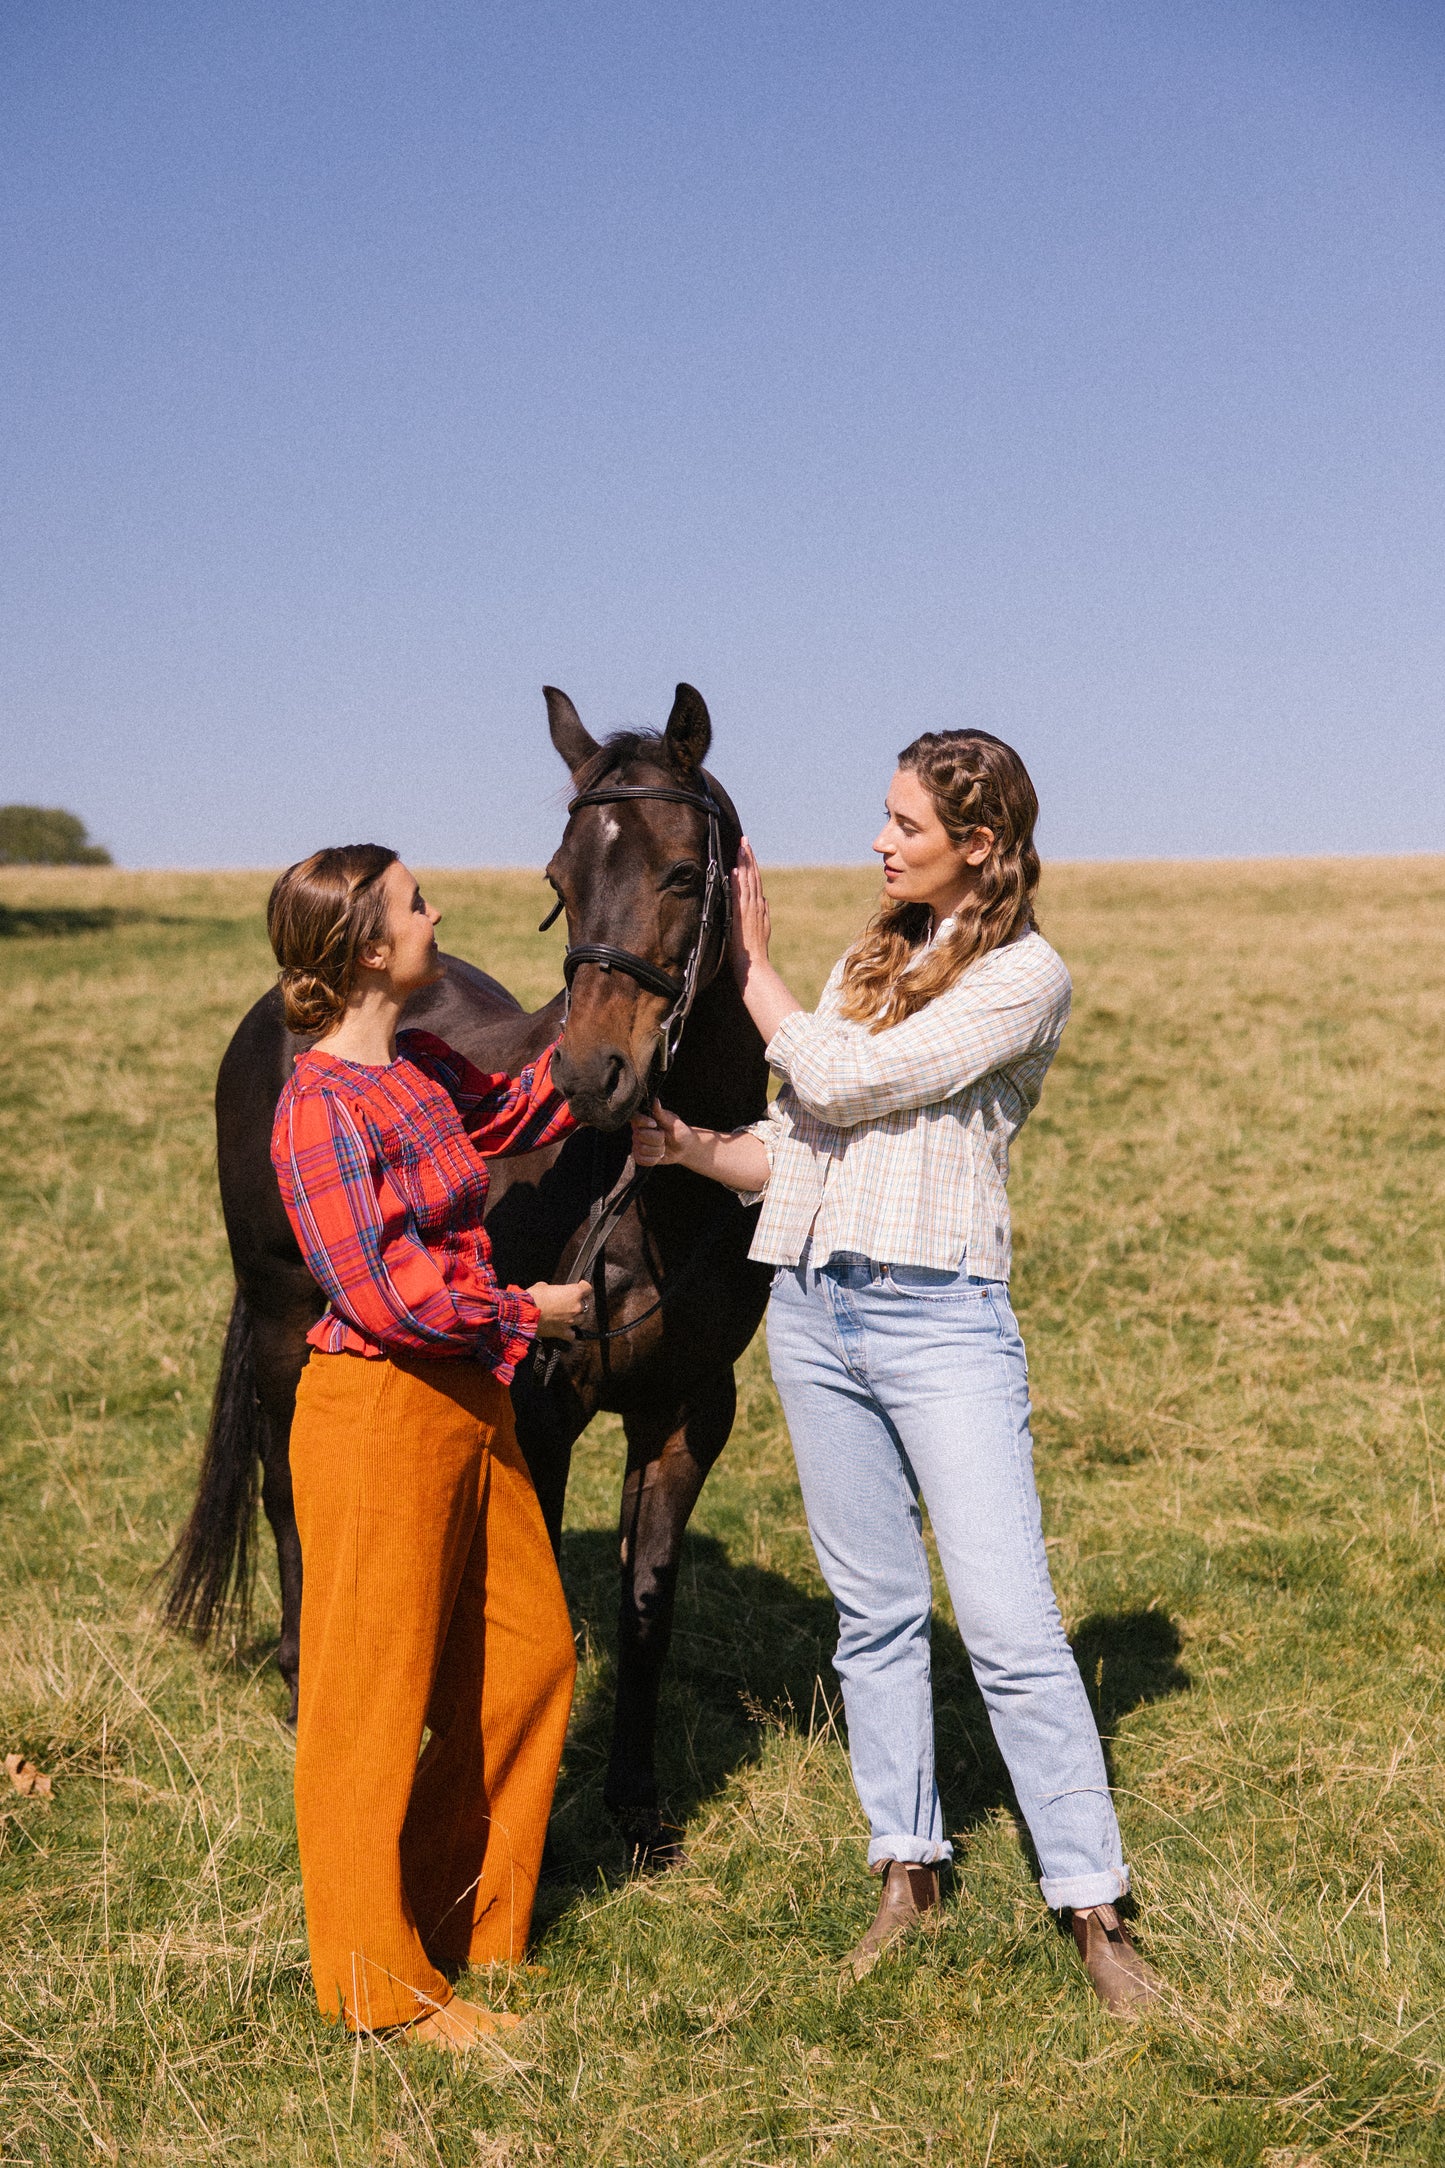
601,1084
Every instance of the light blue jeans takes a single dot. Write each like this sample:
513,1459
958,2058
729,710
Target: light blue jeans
897,1383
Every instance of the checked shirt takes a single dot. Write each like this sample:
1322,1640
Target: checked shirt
895,1145
382,1170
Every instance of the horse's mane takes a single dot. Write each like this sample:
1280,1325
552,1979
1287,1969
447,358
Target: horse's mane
620,748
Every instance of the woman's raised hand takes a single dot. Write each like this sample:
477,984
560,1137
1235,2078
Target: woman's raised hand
560,1307
659,1138
765,997
752,926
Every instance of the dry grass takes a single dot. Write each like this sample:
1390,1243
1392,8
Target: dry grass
1231,1279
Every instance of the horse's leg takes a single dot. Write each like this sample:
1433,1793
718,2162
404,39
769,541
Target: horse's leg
280,1356
669,1452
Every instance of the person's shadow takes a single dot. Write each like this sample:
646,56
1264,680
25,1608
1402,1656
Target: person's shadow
751,1649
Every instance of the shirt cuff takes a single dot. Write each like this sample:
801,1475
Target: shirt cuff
512,1332
766,1132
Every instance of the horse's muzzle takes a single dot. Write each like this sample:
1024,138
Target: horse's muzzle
601,1086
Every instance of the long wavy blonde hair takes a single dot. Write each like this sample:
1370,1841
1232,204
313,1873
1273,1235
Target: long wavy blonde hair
975,781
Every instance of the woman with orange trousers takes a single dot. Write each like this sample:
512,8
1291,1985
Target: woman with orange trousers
431,1600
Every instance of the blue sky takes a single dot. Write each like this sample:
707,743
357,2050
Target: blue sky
1070,369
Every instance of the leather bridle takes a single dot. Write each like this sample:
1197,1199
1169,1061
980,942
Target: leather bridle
712,929
609,1207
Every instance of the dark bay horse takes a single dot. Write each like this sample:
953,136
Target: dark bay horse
678,1300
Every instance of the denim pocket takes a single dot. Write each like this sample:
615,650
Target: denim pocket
935,1285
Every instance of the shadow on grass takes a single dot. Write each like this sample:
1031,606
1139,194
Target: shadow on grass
44,922
28,922
749,1647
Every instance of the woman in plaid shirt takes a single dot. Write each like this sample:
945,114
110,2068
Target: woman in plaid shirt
431,1600
883,1166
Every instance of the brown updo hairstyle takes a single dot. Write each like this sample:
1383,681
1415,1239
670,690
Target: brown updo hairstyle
322,913
975,781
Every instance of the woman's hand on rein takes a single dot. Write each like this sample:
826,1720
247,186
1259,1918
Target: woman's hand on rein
561,1306
659,1138
752,925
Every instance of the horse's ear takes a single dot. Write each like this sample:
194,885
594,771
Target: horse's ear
572,739
689,728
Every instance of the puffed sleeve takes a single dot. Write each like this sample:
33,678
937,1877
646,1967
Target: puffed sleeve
356,1234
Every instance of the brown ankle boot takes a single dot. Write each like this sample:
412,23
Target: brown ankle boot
908,1892
1124,1984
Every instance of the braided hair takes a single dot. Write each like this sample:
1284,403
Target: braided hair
975,781
322,913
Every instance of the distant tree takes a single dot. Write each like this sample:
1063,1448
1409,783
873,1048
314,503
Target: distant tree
37,835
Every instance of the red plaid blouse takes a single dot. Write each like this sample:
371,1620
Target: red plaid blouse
383,1175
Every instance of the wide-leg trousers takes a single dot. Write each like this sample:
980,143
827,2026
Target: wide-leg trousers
430,1604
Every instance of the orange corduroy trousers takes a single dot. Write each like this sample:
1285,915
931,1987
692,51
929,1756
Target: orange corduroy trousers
430,1599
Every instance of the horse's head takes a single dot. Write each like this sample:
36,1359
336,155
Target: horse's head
645,922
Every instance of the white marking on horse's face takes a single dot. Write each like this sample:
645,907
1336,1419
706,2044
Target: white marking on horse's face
611,830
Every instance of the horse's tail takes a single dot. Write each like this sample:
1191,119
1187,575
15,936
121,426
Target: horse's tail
209,1571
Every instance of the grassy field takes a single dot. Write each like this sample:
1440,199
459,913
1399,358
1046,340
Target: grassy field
1231,1280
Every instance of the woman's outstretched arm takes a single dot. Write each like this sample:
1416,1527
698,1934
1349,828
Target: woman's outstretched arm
502,1114
737,1158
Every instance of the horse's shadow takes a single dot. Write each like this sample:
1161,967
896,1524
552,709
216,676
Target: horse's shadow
748,1646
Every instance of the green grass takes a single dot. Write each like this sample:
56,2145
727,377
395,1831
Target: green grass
1231,1281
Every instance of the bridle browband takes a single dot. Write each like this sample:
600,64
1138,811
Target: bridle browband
712,926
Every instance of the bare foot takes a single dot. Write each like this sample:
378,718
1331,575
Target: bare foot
459,2025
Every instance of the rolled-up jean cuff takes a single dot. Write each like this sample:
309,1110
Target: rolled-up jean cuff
913,1851
1069,1893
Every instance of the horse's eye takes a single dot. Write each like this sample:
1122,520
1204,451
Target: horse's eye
684,879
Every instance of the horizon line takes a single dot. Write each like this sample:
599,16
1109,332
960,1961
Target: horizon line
1233,858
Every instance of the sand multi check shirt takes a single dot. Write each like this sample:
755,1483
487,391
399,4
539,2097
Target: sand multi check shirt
895,1144
382,1170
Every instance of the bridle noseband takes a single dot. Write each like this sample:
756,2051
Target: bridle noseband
712,926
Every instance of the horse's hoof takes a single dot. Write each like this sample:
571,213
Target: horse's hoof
652,1843
668,1851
